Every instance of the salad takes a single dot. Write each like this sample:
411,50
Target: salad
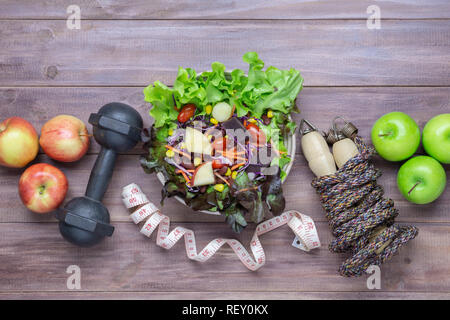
219,138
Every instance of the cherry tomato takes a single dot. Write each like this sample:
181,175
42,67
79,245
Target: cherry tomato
217,164
220,144
186,112
257,136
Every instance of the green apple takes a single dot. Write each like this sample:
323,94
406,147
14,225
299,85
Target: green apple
436,138
421,179
395,136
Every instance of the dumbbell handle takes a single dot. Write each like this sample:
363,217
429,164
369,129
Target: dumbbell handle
101,174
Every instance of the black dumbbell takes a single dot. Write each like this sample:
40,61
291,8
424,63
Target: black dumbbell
84,221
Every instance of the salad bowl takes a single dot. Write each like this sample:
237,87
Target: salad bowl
209,136
290,141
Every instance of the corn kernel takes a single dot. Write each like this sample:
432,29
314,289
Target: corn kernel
219,187
208,109
228,173
269,114
252,120
214,121
197,161
234,175
170,153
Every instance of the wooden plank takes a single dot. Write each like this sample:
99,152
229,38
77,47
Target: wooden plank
328,53
38,105
229,296
320,105
35,258
127,171
252,9
299,196
362,106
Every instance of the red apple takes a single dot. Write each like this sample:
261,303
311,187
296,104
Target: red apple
42,188
19,143
64,138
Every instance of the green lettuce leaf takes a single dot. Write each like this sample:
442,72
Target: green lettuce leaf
188,89
252,94
273,89
161,97
288,84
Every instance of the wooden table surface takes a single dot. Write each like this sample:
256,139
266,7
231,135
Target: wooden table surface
122,46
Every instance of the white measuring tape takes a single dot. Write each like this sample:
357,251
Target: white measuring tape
302,225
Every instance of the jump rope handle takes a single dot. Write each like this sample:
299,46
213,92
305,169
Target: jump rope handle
341,139
316,151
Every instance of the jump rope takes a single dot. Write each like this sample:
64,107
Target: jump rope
361,219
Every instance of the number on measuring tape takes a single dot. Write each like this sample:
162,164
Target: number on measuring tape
302,226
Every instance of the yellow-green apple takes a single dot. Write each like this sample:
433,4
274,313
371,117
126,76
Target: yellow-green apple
203,175
42,187
395,136
197,142
19,143
436,138
421,179
222,111
64,138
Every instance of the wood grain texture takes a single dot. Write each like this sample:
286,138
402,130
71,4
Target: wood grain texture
47,69
251,9
34,257
229,296
319,105
297,190
328,53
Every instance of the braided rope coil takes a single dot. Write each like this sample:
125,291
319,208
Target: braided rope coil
362,221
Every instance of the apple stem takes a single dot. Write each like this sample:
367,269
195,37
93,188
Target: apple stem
385,134
86,135
41,190
417,183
